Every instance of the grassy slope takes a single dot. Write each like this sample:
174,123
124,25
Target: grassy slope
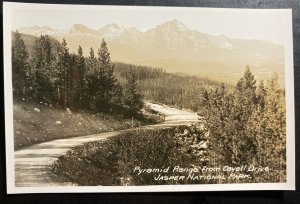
111,162
31,127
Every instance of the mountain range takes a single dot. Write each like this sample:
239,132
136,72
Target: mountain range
176,48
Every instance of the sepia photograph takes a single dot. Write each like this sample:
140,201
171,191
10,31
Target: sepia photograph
148,99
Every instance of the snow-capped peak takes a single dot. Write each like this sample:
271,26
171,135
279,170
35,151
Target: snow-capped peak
174,24
80,27
112,28
37,30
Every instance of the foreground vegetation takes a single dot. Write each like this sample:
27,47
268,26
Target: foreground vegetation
247,124
111,162
115,161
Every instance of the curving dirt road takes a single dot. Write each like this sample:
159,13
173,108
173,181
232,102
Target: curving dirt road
32,167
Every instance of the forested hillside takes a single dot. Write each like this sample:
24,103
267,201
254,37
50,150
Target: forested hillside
50,73
154,84
175,89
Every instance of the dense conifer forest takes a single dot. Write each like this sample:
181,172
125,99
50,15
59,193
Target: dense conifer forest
53,75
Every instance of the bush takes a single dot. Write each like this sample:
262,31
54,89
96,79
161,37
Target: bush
112,162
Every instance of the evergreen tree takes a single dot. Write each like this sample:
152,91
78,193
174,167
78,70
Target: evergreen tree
246,97
75,75
42,66
93,79
227,115
261,94
275,130
106,71
132,98
63,65
104,55
117,95
20,68
80,75
249,83
268,125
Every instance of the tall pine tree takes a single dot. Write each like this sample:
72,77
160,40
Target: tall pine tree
80,64
20,68
92,80
105,81
42,65
106,71
132,98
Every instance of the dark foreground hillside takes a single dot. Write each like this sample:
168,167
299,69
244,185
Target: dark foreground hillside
36,123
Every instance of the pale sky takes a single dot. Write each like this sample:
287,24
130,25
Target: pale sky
265,25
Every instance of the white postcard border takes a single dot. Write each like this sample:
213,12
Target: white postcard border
9,143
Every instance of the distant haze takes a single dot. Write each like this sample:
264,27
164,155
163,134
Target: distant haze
217,44
176,48
234,23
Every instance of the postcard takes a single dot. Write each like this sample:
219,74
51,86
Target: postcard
147,99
